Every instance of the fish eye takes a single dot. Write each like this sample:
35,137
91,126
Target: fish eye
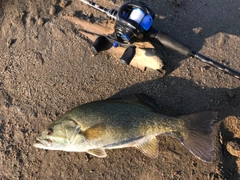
49,131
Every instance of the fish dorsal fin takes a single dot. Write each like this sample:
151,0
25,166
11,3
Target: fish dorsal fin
139,98
95,131
98,152
142,99
149,147
146,100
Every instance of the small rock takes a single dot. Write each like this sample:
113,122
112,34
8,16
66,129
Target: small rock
230,94
90,15
198,30
220,138
52,10
54,1
71,13
233,148
63,3
40,21
10,42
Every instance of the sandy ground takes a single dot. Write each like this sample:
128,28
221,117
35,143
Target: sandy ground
46,68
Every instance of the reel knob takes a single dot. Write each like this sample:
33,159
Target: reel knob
99,44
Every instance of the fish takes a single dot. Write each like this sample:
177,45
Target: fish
136,122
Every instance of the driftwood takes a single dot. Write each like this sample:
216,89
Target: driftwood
141,60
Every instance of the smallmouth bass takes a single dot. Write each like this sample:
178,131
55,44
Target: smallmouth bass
110,124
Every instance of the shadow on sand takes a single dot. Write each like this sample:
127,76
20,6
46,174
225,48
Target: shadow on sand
178,96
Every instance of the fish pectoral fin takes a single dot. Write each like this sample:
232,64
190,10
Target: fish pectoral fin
95,131
98,152
149,147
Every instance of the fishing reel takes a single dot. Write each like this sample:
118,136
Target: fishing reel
133,20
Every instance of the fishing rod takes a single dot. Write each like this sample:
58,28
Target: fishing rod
135,19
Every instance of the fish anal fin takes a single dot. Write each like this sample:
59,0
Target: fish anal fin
95,132
149,147
98,152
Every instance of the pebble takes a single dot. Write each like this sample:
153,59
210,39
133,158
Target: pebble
230,94
40,21
233,148
63,3
52,10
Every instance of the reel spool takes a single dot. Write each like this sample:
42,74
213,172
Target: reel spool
133,20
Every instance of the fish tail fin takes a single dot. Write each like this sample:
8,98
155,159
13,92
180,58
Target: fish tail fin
197,134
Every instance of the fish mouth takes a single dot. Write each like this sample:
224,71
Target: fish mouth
42,143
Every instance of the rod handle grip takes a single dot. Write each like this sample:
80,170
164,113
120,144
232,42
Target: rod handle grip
172,44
